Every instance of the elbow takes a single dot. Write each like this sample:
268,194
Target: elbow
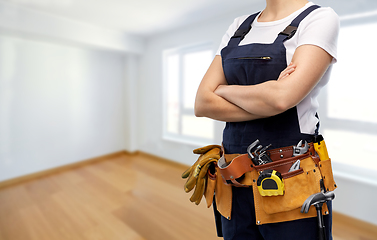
202,106
198,114
199,110
281,105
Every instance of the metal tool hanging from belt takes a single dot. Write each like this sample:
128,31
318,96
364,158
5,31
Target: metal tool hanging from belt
270,182
258,155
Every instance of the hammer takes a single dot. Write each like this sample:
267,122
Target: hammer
317,200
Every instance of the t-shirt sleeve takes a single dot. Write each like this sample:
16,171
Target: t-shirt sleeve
322,30
230,32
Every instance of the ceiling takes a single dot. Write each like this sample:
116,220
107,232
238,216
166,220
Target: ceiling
148,17
139,17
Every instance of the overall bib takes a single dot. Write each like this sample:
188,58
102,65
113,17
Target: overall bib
253,64
249,65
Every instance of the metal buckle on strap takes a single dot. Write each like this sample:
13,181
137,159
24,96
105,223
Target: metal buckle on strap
221,163
241,33
289,31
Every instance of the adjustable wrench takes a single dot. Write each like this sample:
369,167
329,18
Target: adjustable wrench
299,149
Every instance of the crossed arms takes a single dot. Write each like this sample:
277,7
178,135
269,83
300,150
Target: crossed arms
234,103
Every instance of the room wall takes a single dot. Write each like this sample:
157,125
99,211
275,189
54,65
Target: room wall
58,104
132,70
67,91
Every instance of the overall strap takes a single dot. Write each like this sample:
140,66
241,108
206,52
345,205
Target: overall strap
242,30
290,31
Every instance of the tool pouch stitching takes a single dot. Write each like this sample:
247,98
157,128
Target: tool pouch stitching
297,189
271,209
327,175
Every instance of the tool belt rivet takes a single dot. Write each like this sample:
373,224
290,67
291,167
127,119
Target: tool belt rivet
282,156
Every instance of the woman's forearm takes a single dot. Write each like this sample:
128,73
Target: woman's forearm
294,84
261,99
215,107
208,104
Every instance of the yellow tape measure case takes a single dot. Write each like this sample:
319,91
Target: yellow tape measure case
270,183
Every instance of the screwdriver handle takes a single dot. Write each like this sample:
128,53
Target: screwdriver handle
321,149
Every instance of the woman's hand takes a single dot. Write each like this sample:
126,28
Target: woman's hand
220,90
286,72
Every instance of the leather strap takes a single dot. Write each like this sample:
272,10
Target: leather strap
236,169
233,171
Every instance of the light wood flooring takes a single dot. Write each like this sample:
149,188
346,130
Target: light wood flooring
128,197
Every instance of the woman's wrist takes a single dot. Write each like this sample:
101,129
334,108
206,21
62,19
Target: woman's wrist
222,90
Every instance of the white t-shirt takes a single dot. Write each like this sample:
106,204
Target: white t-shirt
320,28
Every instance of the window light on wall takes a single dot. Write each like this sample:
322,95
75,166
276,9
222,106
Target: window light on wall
184,69
351,121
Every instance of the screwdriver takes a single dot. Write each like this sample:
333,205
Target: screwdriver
320,147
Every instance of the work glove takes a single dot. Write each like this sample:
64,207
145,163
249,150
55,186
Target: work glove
197,175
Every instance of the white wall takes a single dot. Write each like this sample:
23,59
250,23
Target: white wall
58,104
132,70
67,91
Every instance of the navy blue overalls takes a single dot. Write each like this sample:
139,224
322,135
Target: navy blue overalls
248,65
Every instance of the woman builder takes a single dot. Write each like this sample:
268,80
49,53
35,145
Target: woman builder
264,82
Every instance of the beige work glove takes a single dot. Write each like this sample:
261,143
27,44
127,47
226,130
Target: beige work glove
197,174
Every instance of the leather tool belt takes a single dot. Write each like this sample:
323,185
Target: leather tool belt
233,166
313,176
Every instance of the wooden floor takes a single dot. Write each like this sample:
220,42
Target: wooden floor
128,197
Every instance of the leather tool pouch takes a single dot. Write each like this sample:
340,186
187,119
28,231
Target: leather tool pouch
299,185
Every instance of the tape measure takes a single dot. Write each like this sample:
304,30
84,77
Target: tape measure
270,183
